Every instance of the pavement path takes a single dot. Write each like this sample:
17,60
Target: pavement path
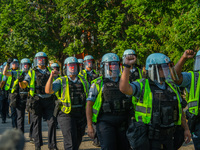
85,145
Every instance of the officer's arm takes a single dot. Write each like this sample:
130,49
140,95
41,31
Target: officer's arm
187,135
48,87
89,106
5,71
89,112
178,67
124,85
2,84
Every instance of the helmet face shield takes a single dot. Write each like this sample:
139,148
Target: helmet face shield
42,61
197,63
111,69
89,63
56,68
25,66
14,65
71,69
162,72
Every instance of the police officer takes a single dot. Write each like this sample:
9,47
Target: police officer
159,109
4,96
22,94
191,81
71,113
80,63
12,76
89,73
108,107
41,104
135,71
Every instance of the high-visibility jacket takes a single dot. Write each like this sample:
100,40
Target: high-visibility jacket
143,112
31,73
65,95
15,84
84,73
193,101
9,81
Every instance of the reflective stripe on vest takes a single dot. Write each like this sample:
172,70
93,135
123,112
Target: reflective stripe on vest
134,99
98,102
9,80
15,84
65,96
31,73
143,110
193,101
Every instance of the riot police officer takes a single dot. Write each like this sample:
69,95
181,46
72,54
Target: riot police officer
80,62
12,76
21,94
4,96
71,113
40,103
158,109
135,71
89,73
107,107
190,80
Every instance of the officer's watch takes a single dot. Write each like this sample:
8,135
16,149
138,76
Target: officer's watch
127,66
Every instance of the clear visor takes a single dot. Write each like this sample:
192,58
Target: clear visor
25,66
14,65
42,61
197,63
89,64
56,68
111,69
71,69
162,72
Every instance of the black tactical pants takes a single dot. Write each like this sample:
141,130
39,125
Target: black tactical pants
4,106
31,126
111,131
196,136
20,116
73,129
45,109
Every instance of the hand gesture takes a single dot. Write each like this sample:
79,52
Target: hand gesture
189,54
130,59
54,73
9,61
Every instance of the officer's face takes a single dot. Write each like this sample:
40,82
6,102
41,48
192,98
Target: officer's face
72,67
15,65
89,64
55,68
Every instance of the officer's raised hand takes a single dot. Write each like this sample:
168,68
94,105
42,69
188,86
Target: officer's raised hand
54,73
189,54
9,61
130,60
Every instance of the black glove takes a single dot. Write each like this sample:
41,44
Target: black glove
20,78
9,61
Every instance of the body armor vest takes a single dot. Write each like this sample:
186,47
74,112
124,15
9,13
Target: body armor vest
165,111
90,78
113,100
40,82
135,75
77,94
